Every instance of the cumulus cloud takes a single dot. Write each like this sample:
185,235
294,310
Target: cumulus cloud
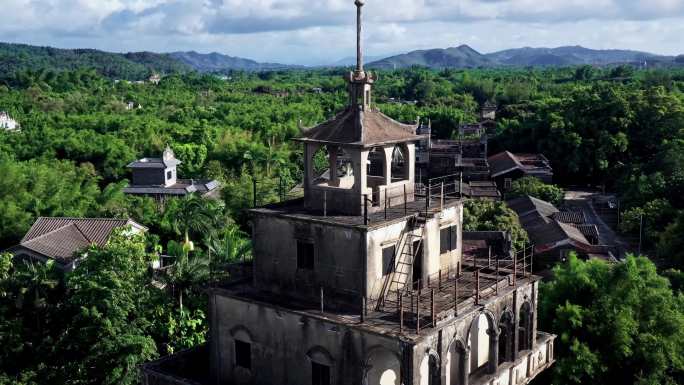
291,29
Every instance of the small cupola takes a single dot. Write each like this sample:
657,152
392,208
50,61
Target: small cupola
369,157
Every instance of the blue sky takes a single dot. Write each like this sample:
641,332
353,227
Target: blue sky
321,31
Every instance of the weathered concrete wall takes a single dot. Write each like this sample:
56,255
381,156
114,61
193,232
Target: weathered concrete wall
152,176
339,258
376,241
453,342
284,343
396,234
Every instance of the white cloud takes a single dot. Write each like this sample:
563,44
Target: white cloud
316,31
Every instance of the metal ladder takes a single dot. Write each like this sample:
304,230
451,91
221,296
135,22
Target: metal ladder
403,263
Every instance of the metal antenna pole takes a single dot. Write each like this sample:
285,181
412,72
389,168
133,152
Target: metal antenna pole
359,34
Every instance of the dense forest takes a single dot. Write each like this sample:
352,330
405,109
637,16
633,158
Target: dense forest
613,127
17,58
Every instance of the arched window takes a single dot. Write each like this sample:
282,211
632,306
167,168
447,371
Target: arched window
525,327
506,336
242,349
456,365
322,365
430,369
480,343
382,368
434,378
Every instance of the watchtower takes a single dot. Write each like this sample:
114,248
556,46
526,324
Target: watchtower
371,157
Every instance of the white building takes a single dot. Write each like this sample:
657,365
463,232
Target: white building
7,123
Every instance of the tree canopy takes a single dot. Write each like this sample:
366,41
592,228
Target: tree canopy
617,324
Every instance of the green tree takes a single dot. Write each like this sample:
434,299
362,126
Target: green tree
107,337
617,324
483,215
534,187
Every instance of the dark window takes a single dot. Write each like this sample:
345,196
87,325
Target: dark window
320,374
448,239
305,255
243,354
388,260
508,183
169,175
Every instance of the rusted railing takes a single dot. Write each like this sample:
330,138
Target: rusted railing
476,280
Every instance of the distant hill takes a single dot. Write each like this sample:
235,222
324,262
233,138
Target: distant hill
131,66
457,57
216,62
575,55
466,57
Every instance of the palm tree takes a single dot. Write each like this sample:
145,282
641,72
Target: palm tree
186,272
229,246
194,215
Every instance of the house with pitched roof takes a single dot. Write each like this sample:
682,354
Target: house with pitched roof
556,233
61,239
506,167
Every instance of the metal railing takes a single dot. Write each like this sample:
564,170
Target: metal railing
477,279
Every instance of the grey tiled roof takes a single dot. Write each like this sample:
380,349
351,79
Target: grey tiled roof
503,163
570,217
361,128
531,164
555,232
61,238
527,205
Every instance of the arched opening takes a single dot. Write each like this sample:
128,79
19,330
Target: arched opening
382,368
344,166
389,377
320,162
479,341
525,327
376,163
321,365
506,343
400,163
376,173
242,352
434,378
455,363
430,369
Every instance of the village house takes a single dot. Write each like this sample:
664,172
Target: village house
466,155
556,233
7,123
154,79
488,111
61,239
507,167
364,281
158,178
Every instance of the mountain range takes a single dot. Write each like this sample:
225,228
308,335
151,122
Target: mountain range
466,57
216,62
139,65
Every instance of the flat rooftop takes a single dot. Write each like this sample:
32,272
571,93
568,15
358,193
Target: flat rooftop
454,297
182,187
295,209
